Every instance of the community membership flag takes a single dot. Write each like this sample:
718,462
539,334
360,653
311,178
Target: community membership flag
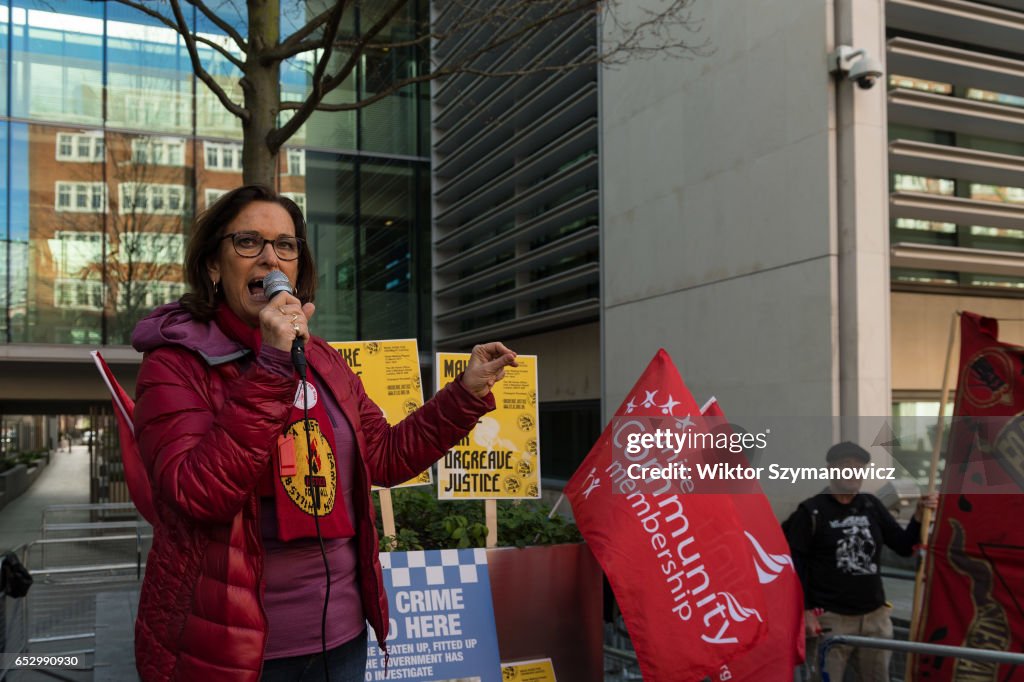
975,570
670,554
134,470
782,648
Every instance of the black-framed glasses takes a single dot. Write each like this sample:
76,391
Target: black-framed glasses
250,245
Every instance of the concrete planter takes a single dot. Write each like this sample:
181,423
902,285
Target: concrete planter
548,604
14,482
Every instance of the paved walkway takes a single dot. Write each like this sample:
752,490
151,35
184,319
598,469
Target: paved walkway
64,481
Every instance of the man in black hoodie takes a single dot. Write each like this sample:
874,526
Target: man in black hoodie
836,539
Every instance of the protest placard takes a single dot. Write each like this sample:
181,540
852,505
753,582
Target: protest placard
390,371
500,458
442,618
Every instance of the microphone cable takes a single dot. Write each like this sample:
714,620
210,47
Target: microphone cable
315,494
275,282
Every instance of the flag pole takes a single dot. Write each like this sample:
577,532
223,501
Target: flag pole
387,513
491,516
926,515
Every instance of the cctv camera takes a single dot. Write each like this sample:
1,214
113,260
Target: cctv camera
865,72
856,64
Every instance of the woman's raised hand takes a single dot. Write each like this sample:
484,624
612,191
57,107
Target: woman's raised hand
486,367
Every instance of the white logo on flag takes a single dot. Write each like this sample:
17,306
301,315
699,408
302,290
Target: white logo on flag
737,611
769,566
594,483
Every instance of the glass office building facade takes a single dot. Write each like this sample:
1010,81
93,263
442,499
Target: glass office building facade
109,147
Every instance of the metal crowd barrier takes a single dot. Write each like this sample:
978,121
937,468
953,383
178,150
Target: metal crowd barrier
105,554
916,648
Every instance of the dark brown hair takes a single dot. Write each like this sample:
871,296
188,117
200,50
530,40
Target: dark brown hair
203,245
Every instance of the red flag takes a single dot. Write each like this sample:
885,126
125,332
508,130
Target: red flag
783,647
975,564
134,470
670,556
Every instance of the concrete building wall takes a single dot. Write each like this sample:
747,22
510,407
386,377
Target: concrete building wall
920,336
718,213
569,362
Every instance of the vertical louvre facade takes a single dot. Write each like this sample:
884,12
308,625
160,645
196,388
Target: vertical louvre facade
515,180
956,164
956,152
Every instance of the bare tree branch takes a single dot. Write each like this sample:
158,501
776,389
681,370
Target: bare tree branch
197,66
223,52
288,48
279,53
486,38
220,23
321,87
159,16
359,104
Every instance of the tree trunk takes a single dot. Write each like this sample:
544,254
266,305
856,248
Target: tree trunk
262,87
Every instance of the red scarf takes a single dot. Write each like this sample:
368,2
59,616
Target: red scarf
302,480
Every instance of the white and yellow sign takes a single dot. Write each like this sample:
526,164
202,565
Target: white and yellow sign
390,371
540,670
500,458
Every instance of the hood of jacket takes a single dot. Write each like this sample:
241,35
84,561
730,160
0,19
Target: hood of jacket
172,325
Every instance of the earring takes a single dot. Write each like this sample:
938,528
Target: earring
216,287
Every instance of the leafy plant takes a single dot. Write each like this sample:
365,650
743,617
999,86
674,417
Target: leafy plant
423,522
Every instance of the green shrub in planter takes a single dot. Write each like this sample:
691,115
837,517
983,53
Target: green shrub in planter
29,459
422,522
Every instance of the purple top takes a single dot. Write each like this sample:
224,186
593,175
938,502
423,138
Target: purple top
294,571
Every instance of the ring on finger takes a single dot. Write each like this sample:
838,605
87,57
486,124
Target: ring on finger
295,316
296,328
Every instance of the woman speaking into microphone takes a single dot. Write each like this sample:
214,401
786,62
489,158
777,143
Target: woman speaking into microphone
264,553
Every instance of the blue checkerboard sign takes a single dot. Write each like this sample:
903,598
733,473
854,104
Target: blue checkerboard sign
442,618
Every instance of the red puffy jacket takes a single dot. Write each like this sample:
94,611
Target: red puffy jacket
205,433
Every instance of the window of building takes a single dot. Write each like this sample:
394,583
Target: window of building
917,183
914,428
147,293
997,282
995,97
925,225
1006,195
78,294
906,82
155,111
153,247
76,252
299,198
914,276
79,147
81,197
1001,232
138,197
212,195
223,156
296,162
159,151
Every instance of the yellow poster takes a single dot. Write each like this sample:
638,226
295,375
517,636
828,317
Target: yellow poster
390,371
540,670
500,458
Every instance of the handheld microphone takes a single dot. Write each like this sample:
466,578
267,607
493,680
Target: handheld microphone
273,284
